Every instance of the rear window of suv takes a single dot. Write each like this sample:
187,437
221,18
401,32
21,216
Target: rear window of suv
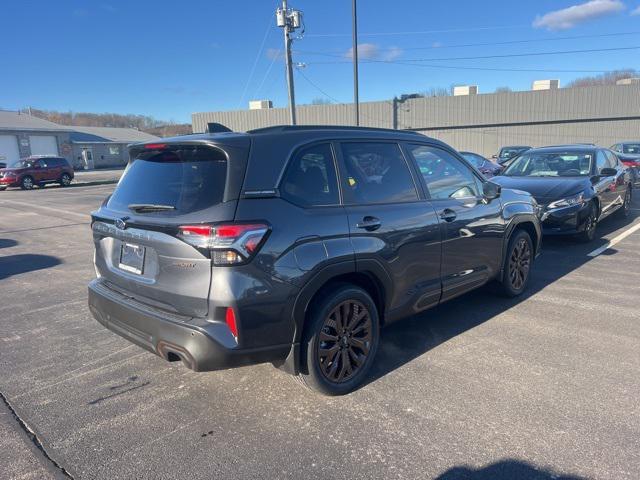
187,178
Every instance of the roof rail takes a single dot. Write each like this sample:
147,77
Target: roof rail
293,128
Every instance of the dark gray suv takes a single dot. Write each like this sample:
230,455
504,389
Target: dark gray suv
294,245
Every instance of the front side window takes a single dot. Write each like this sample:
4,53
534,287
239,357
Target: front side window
42,163
310,179
552,164
376,173
601,160
611,158
444,175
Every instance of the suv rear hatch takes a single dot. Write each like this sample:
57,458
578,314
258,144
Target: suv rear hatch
136,231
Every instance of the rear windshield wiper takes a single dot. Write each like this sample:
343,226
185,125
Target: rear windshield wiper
149,207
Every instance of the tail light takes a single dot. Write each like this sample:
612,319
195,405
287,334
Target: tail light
230,244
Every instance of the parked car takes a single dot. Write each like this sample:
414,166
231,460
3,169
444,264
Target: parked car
576,186
507,153
37,171
486,167
294,245
629,154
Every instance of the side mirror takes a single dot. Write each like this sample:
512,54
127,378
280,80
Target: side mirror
491,191
608,172
494,156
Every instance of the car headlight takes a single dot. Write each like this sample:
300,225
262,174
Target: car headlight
567,202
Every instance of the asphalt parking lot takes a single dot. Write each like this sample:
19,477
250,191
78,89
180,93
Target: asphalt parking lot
541,387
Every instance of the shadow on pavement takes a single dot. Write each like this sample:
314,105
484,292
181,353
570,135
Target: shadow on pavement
7,242
505,470
24,263
410,338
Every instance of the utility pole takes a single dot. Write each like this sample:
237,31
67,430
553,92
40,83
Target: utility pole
354,32
289,20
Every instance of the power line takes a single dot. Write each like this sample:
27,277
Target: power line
333,99
268,71
255,62
478,57
516,42
424,32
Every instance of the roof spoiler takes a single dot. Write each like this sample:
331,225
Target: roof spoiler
214,127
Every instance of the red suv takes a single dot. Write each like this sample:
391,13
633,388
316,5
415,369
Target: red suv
36,171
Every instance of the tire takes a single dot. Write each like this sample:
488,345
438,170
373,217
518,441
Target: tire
26,183
329,355
517,264
65,180
591,223
623,211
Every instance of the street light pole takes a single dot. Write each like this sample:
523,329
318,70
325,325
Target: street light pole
356,102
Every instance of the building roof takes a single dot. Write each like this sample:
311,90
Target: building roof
22,121
109,134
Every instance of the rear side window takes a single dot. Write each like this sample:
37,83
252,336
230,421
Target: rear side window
376,173
187,178
310,179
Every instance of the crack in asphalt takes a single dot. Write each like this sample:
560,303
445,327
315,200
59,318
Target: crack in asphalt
34,439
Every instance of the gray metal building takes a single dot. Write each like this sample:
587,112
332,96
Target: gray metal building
99,147
22,135
480,123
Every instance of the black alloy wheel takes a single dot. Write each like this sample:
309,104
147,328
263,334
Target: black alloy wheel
520,264
518,261
589,226
340,340
344,341
626,205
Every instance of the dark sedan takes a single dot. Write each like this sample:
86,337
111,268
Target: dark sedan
576,186
507,153
486,167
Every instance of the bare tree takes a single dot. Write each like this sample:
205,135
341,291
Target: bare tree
504,89
608,78
320,101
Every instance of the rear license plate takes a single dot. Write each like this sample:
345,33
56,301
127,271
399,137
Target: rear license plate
132,258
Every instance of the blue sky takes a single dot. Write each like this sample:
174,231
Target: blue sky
169,59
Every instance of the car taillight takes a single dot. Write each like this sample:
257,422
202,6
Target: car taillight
230,244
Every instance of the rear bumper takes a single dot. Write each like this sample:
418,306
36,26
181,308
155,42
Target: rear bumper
202,345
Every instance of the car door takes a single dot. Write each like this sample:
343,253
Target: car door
472,228
619,187
40,171
605,187
392,226
54,170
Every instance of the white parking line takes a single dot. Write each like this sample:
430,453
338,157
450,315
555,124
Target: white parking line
42,207
614,240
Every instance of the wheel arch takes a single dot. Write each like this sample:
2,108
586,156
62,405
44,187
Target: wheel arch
368,278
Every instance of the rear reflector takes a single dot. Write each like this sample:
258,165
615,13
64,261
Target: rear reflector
230,319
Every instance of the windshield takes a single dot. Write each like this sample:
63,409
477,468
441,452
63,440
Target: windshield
554,164
633,148
509,152
22,164
177,180
475,160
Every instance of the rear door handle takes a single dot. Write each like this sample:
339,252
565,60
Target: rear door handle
448,215
369,223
